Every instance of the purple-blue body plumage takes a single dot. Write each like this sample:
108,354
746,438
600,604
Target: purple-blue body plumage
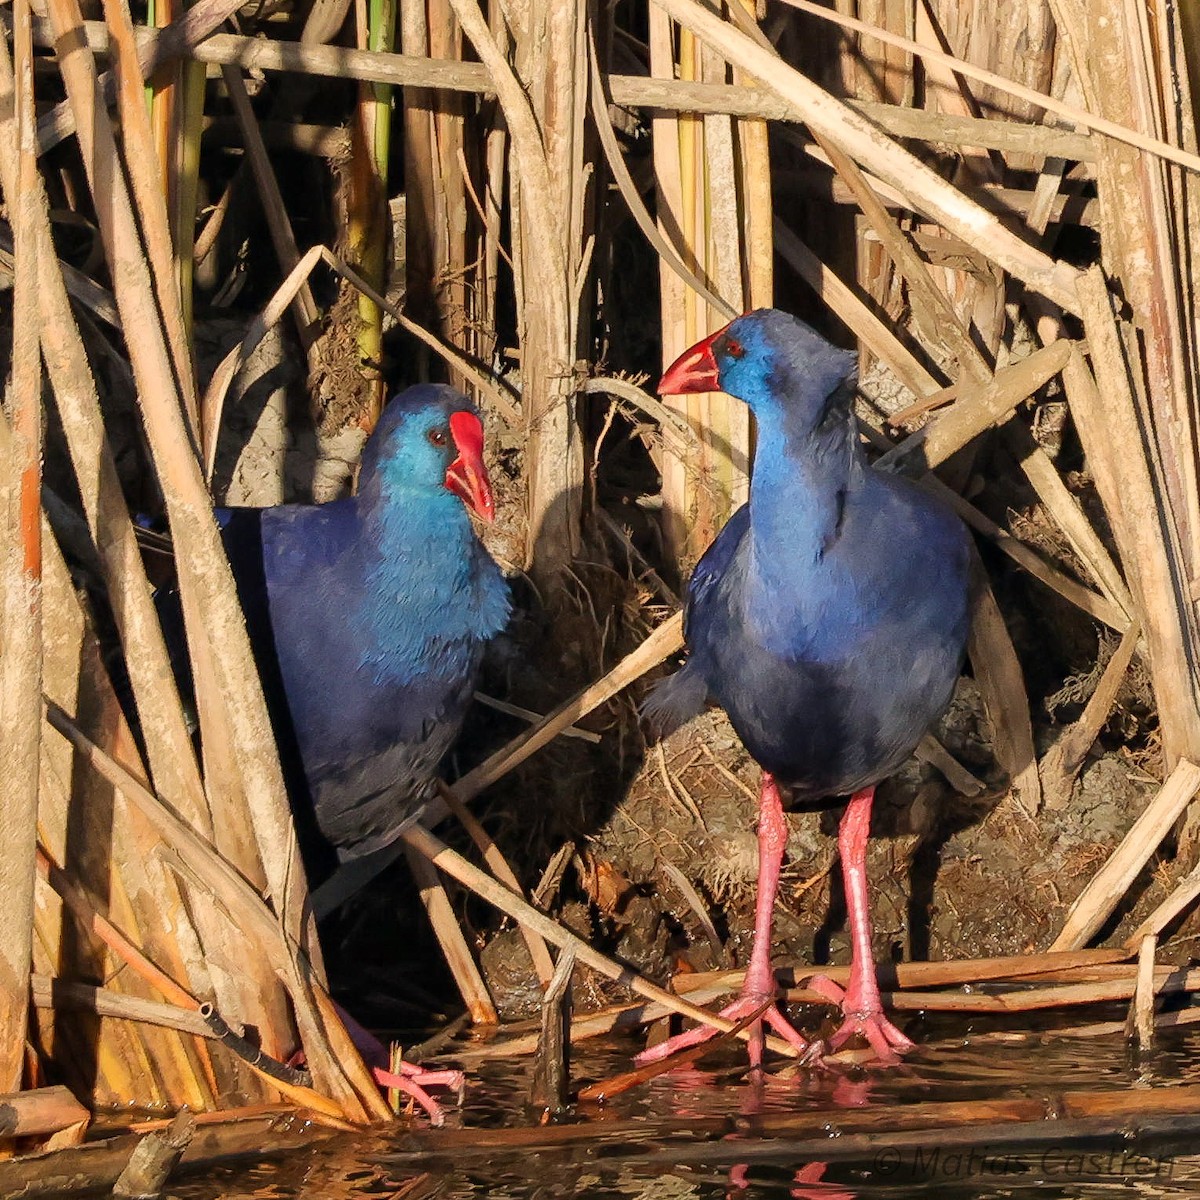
369,617
829,617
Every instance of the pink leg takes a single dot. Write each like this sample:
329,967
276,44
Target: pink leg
411,1079
861,1005
759,985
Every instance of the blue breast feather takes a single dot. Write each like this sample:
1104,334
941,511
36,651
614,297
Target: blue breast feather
368,629
830,665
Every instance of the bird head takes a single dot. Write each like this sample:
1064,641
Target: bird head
430,438
764,358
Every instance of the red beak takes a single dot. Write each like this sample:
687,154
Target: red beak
466,476
695,370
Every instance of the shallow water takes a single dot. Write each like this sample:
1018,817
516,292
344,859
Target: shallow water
701,1133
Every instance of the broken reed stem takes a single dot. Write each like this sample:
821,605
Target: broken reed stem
450,937
551,1084
1069,112
1140,1023
199,862
543,964
979,407
871,148
183,1011
1002,688
663,642
483,885
20,584
157,47
75,897
54,994
41,1111
1110,884
1061,763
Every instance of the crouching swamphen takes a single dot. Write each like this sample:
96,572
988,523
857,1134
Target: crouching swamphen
368,617
828,618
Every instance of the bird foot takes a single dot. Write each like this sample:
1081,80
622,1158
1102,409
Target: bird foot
409,1079
746,1005
413,1080
863,1012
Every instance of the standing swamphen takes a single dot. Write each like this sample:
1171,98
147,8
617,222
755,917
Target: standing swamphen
368,617
829,620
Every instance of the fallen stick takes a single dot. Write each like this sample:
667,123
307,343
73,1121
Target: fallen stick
835,1132
702,987
527,714
95,1166
154,1158
597,1024
40,1112
1110,884
1182,897
449,934
1062,762
543,964
1030,1000
483,885
663,642
52,993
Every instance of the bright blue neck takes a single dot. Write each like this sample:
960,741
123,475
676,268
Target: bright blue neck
433,589
797,493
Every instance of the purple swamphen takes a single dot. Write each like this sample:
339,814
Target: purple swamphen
369,616
828,618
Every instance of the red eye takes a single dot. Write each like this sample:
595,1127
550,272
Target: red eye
437,437
734,348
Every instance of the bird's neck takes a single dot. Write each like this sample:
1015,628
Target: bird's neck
432,586
798,493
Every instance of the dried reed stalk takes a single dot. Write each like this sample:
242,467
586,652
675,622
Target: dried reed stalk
162,914
1106,415
1061,763
245,787
1147,367
1109,885
699,215
195,859
544,108
436,183
455,950
20,583
176,110
925,189
114,876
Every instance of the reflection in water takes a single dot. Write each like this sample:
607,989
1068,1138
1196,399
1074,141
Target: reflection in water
667,1140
